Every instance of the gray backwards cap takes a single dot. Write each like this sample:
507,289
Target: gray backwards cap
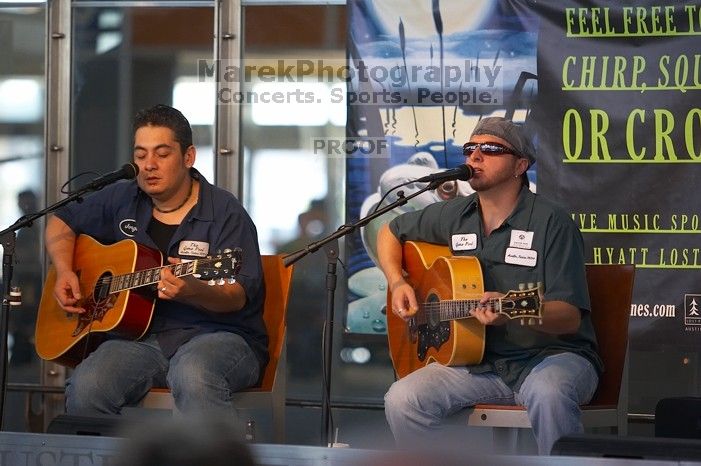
509,132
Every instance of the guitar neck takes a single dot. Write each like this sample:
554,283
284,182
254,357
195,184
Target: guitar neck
447,310
145,277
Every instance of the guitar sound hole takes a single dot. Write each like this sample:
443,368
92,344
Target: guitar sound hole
102,287
433,316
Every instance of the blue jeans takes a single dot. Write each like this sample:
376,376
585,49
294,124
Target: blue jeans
202,374
416,405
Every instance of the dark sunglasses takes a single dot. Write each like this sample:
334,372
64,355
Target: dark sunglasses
487,148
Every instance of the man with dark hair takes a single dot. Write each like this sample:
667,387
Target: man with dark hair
550,367
204,342
167,117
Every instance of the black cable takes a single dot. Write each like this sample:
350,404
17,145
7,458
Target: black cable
400,194
74,177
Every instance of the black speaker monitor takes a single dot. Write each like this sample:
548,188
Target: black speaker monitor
67,424
611,446
678,417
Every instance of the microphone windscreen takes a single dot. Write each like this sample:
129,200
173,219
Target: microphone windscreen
130,170
468,172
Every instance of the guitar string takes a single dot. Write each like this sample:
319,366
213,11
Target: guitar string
88,335
432,305
432,308
199,263
111,278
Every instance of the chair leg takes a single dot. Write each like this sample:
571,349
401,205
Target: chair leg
504,439
279,398
278,411
526,443
514,441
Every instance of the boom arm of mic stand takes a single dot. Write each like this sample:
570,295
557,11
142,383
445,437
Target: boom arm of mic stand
347,229
28,220
332,256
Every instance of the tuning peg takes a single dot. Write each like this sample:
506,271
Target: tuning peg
231,280
197,275
531,321
521,286
221,281
523,322
211,282
227,251
530,285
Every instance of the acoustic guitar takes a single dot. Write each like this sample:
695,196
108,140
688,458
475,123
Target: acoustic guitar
447,289
114,283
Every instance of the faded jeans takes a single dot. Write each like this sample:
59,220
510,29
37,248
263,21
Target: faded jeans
416,405
202,374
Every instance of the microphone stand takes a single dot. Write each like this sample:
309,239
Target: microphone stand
332,256
8,238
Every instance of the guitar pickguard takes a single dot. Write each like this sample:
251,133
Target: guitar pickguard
93,312
101,302
431,337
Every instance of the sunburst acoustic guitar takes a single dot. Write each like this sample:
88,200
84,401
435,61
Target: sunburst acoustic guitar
112,282
447,289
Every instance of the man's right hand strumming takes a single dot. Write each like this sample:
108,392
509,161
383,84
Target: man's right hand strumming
67,291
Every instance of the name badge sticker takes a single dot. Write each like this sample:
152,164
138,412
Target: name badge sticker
517,256
521,239
464,242
193,248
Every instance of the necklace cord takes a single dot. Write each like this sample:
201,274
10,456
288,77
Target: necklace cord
189,193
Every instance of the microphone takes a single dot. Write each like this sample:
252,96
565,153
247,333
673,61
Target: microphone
127,172
462,172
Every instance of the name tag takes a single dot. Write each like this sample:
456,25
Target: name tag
517,256
521,239
193,248
464,242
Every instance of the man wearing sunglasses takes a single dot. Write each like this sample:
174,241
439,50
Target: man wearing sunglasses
550,367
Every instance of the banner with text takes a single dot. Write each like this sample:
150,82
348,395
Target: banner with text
619,122
612,96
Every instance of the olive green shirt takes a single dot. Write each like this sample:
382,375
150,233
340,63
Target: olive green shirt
537,243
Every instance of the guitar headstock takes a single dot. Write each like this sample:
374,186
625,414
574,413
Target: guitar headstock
526,303
221,268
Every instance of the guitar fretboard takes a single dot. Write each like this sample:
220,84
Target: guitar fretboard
128,281
452,309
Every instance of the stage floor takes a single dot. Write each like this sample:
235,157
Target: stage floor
23,449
